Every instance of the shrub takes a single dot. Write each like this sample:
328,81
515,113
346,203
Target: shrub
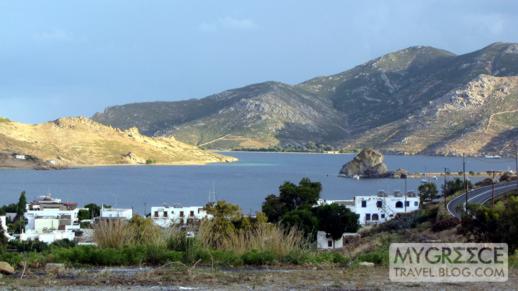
64,243
143,231
445,224
328,257
28,246
256,257
226,258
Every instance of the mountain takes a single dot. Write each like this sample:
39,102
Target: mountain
416,100
83,142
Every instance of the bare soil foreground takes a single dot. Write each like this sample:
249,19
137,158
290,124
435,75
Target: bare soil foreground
184,278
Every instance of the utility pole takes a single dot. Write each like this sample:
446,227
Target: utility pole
444,188
516,163
493,190
405,192
465,182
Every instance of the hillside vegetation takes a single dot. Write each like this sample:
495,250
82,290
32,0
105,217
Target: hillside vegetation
82,142
416,100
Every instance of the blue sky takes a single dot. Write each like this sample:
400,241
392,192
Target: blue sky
63,58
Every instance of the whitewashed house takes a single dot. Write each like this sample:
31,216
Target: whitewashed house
166,216
116,213
3,226
326,242
374,209
50,220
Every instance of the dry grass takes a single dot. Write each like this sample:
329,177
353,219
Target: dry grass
262,237
112,234
119,233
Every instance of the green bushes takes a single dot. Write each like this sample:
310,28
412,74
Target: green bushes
126,256
445,224
256,257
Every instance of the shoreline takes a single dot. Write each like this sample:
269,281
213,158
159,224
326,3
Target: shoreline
354,153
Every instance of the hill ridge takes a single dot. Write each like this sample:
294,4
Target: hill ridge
340,109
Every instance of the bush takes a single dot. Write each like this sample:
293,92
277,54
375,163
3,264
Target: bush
226,258
255,257
28,246
126,256
328,257
445,224
64,243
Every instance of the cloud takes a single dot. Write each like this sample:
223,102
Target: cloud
228,23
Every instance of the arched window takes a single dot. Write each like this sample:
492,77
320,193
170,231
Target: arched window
375,216
399,204
379,203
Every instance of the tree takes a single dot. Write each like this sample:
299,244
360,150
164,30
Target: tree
306,193
93,210
427,191
336,219
303,219
273,208
22,205
453,186
497,225
222,225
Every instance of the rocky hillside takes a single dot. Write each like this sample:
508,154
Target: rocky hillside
83,142
417,100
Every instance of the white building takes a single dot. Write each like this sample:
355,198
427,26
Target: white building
166,216
49,220
20,157
326,242
3,226
116,213
379,208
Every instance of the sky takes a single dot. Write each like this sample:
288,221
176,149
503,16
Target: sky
68,58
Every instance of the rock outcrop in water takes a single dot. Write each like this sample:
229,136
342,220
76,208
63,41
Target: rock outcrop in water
367,164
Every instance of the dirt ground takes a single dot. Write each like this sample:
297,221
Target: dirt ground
183,278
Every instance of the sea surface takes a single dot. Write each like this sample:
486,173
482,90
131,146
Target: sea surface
246,182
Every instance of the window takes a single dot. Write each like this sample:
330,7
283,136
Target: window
379,203
368,216
156,213
329,243
192,213
382,215
399,204
181,213
165,213
364,203
416,203
407,203
375,216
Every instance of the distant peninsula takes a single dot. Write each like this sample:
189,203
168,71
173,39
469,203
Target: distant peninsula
79,141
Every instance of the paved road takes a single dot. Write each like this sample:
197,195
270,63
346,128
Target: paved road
478,196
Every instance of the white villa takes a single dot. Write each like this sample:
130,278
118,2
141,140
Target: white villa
3,226
166,216
373,209
116,213
379,208
49,220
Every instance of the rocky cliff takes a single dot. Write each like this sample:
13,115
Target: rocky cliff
368,164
